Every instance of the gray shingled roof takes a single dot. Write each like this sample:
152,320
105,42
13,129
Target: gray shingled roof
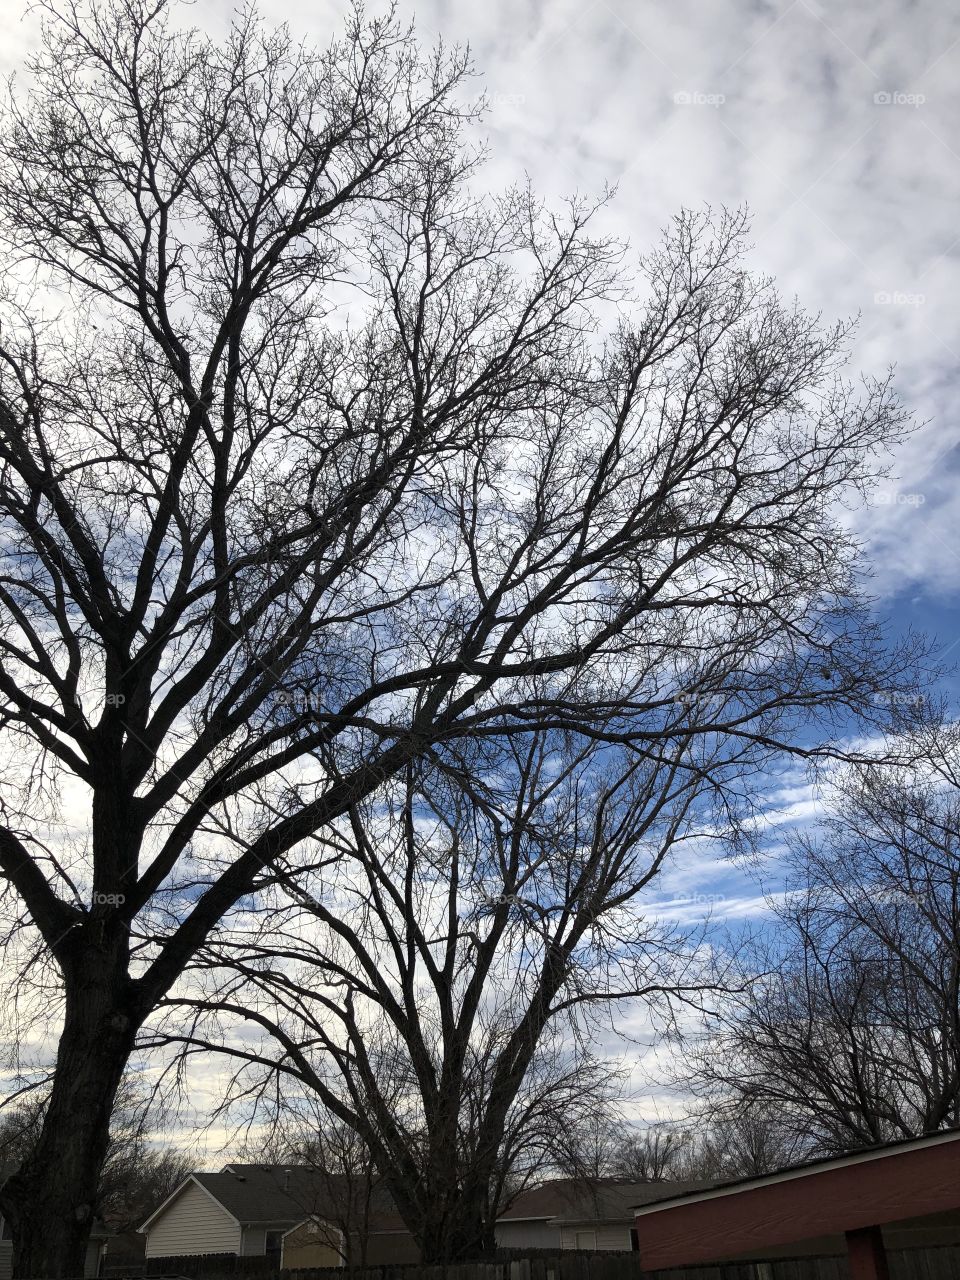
594,1200
283,1195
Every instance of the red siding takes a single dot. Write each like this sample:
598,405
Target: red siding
826,1202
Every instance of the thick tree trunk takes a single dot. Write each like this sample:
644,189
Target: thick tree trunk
444,1243
458,1232
51,1200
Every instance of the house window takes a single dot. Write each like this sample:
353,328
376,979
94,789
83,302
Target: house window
274,1244
586,1240
5,1232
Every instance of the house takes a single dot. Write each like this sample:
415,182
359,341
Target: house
569,1213
273,1210
315,1243
299,1217
312,1243
900,1195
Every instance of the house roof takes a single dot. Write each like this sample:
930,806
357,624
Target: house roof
280,1196
267,1194
592,1200
832,1197
710,1191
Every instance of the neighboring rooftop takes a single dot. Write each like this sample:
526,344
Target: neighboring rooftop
594,1199
283,1195
901,1194
900,1146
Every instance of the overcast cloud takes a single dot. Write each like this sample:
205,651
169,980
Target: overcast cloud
834,124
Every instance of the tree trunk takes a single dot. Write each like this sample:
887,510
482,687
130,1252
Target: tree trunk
442,1244
50,1201
461,1233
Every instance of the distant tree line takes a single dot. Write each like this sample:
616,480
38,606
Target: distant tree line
847,1028
138,1174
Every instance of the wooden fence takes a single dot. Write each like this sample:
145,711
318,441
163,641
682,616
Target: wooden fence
939,1262
935,1263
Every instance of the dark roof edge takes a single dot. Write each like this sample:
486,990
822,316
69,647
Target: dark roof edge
791,1172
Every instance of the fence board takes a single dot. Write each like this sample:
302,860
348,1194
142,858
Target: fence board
932,1263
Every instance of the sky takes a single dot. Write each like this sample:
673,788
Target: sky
833,124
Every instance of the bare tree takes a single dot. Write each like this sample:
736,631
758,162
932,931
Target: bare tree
311,463
457,927
421,998
741,1141
852,1032
654,1154
716,1142
562,1105
340,1157
562,1095
587,1147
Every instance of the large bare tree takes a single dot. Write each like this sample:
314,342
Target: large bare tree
485,905
417,986
312,461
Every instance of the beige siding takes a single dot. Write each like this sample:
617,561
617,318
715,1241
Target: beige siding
535,1234
6,1259
312,1244
254,1242
193,1223
613,1236
608,1235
